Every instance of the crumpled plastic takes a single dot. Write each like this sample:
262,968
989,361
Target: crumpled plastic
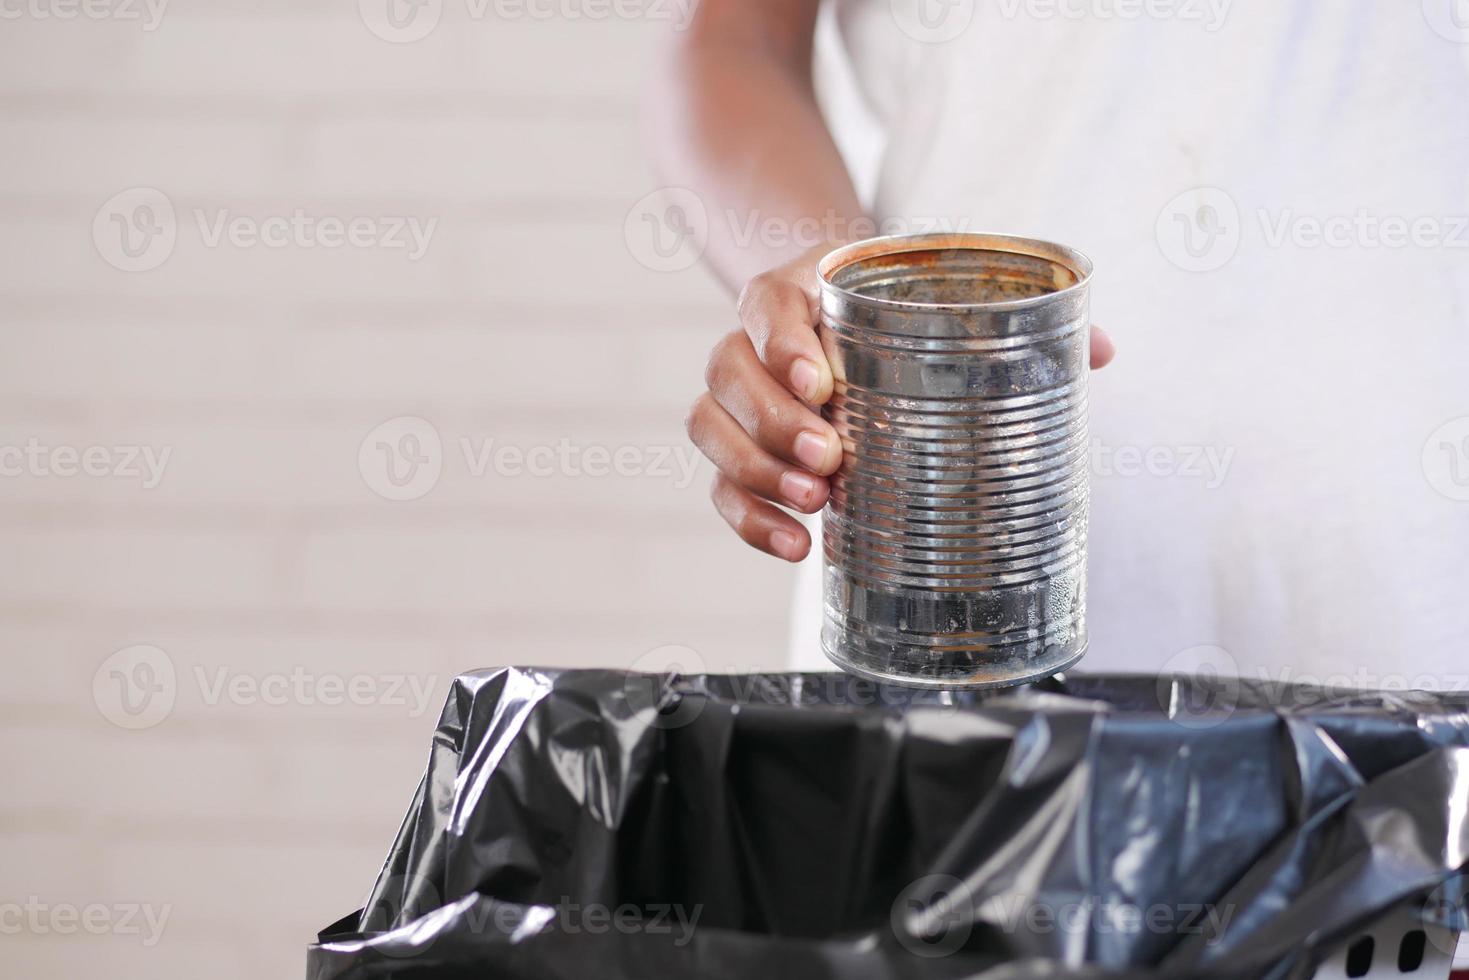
598,825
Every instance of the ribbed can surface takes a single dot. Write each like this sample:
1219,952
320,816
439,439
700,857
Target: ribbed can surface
955,534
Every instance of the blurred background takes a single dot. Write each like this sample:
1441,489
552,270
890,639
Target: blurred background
340,355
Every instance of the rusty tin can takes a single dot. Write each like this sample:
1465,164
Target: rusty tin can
955,535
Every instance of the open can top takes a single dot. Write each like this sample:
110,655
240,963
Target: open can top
954,272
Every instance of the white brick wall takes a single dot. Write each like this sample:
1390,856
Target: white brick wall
263,552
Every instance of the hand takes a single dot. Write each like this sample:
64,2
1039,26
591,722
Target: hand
760,423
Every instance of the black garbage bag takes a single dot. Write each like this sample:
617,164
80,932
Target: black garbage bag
595,825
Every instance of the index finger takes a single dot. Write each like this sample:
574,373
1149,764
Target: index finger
779,313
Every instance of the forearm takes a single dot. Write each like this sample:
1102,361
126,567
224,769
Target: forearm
736,121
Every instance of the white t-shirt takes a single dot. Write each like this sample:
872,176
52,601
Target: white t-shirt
1278,210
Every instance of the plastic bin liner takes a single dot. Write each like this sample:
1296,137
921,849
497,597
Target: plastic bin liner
598,825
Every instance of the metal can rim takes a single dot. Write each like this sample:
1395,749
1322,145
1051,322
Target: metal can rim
842,257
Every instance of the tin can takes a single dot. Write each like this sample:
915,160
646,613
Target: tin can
955,534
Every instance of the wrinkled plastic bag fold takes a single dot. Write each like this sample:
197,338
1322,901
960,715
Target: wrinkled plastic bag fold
599,826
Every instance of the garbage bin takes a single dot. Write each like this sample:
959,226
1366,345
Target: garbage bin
597,824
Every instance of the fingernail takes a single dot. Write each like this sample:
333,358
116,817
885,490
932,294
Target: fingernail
797,487
786,545
805,378
811,450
